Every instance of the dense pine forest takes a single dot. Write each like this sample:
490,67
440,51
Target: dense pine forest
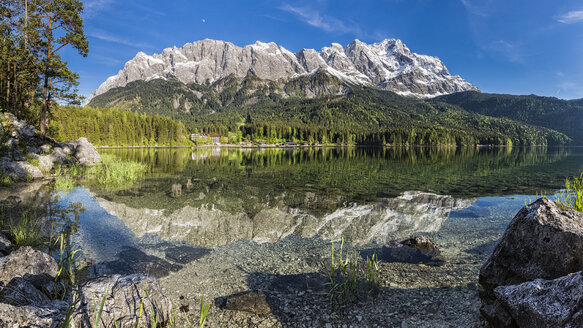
115,127
255,110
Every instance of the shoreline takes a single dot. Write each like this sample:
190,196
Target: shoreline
336,146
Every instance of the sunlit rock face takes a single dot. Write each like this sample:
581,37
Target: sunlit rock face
389,218
388,64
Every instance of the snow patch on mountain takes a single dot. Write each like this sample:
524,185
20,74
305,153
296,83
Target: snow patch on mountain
388,64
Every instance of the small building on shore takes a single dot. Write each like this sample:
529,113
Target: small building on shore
196,136
215,138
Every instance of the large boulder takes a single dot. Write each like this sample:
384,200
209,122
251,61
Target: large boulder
86,153
544,240
36,267
124,295
539,303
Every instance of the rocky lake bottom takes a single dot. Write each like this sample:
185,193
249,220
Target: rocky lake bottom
289,272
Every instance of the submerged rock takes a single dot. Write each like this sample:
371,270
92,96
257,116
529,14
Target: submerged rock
417,249
250,301
124,296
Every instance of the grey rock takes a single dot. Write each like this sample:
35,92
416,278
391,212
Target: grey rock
30,316
35,266
388,64
45,149
11,143
496,315
5,245
59,156
15,127
20,292
32,150
125,295
46,162
17,156
544,303
250,301
542,241
86,153
19,171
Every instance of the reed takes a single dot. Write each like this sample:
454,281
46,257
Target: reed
572,195
204,309
25,232
351,278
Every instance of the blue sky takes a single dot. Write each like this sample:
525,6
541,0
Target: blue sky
501,46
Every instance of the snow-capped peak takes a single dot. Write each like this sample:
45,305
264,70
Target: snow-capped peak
387,64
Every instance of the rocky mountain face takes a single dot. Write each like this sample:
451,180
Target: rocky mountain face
389,65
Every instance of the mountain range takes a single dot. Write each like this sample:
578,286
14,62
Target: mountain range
388,65
362,93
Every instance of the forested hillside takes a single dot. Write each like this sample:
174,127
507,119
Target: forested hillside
565,116
312,109
115,127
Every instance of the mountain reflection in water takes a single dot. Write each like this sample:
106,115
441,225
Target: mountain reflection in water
214,196
208,226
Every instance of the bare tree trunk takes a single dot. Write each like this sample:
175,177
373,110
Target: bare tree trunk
45,107
15,94
8,59
25,24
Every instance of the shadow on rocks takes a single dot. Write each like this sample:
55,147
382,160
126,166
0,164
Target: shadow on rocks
301,300
280,295
132,260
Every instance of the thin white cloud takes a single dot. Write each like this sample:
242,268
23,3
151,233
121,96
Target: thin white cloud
478,7
92,7
312,17
571,17
509,50
110,38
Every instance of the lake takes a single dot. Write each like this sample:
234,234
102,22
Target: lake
218,221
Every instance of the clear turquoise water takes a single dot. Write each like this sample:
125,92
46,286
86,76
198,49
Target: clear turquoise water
209,197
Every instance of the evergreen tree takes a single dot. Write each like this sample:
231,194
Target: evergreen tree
59,24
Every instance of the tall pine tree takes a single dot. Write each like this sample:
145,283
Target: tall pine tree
59,24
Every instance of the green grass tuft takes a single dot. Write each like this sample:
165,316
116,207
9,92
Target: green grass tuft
5,179
204,309
32,160
116,173
572,195
351,278
25,232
